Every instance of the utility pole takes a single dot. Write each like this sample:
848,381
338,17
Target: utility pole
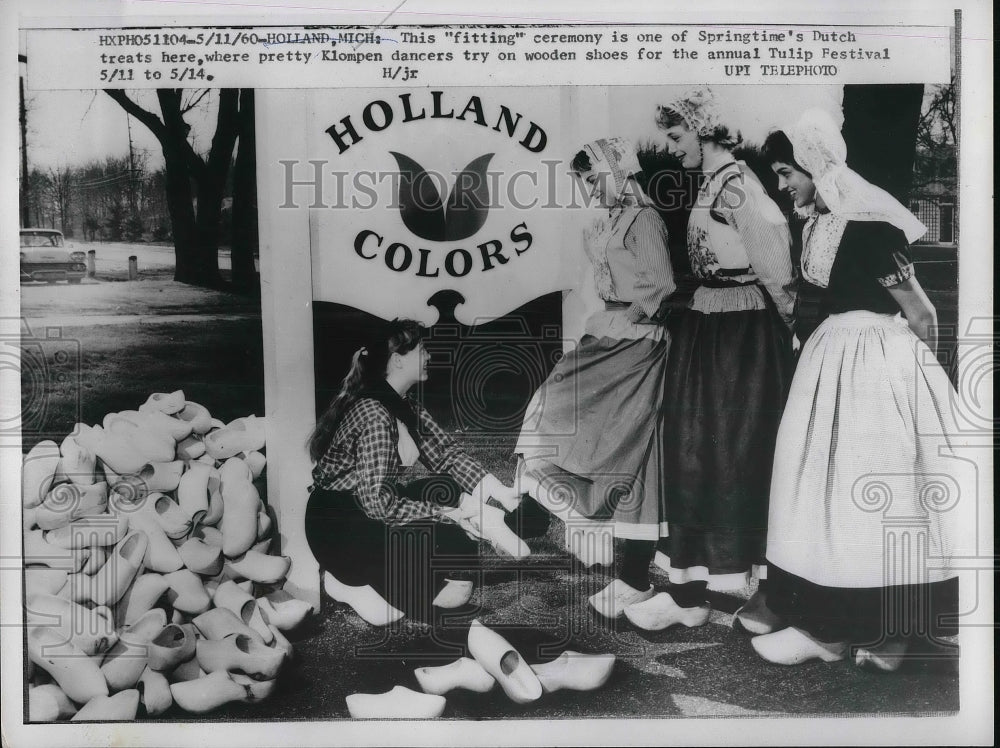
25,186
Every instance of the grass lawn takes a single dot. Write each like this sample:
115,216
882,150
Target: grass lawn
218,363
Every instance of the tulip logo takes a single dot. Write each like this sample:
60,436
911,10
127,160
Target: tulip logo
424,212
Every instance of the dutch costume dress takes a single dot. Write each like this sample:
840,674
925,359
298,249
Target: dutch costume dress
592,433
726,381
866,483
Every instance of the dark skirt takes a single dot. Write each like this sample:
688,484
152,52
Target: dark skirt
407,564
865,616
727,378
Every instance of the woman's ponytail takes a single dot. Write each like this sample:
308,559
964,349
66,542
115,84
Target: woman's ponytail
322,435
368,364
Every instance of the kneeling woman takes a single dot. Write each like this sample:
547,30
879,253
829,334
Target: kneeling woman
866,426
389,549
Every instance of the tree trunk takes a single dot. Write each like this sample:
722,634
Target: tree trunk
245,240
180,205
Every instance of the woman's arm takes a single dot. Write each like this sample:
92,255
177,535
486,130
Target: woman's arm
441,454
646,238
764,231
918,310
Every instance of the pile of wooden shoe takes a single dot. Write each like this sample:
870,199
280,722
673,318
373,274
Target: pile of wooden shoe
148,574
493,661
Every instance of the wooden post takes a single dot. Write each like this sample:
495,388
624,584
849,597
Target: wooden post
91,263
133,268
287,321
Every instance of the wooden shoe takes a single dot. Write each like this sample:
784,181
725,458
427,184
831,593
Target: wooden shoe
575,671
174,521
216,506
38,551
93,529
228,595
239,517
110,583
257,462
49,703
264,524
454,594
188,670
70,501
612,600
283,610
161,555
235,470
173,426
462,673
207,693
140,598
792,646
661,611
366,602
120,707
124,662
242,435
90,631
76,464
154,445
98,557
169,648
186,593
490,525
502,661
162,476
38,472
154,690
241,653
256,690
197,416
192,490
190,448
399,703
115,450
44,581
165,402
886,658
280,643
218,623
75,673
259,567
200,557
755,617
28,519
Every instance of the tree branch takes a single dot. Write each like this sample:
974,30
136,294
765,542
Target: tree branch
146,117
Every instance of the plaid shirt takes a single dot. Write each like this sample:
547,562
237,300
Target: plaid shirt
363,458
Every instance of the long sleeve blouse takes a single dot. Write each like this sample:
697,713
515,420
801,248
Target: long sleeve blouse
363,457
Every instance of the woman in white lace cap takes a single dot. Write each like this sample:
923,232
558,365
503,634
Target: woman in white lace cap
861,526
590,441
727,376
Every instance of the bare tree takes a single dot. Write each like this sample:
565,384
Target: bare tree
195,185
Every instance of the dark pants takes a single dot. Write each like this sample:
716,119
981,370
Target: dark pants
406,564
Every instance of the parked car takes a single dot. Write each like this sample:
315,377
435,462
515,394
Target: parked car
46,257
